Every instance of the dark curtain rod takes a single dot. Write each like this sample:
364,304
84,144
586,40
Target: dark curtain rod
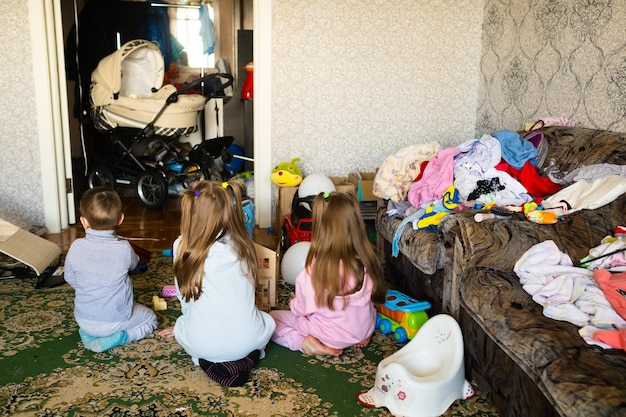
179,6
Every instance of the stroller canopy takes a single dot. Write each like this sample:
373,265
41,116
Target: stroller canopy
134,70
126,91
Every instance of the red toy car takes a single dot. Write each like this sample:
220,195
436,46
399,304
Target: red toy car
297,227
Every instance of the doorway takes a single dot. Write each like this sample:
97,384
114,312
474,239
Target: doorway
261,21
231,16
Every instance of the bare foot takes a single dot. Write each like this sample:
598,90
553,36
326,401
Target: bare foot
363,343
312,346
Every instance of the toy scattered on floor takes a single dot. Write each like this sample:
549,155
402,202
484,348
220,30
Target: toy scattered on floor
401,315
169,291
158,303
297,228
287,174
298,225
425,376
293,261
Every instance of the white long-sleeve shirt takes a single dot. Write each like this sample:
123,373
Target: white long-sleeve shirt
223,324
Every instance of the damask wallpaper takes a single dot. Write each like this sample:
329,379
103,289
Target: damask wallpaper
21,195
553,58
353,81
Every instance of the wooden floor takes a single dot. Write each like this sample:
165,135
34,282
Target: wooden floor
151,229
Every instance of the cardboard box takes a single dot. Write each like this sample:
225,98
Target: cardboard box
266,290
364,186
283,207
286,194
342,185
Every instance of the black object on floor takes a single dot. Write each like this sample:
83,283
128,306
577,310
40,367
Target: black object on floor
51,277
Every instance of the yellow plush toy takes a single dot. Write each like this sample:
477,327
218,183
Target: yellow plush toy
287,174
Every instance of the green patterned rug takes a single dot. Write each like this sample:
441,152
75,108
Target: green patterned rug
46,372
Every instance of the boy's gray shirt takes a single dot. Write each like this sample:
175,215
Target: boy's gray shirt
97,268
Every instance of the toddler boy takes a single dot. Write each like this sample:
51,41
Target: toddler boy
97,267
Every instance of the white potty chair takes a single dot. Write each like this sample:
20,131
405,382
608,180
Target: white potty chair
424,377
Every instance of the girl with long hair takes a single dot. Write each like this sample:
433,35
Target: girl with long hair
215,269
333,304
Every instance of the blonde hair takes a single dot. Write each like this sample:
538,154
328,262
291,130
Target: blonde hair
339,242
209,212
102,207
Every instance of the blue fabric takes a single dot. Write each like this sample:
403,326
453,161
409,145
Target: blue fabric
515,150
155,27
395,249
206,30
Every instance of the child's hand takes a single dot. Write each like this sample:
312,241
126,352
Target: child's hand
292,296
168,332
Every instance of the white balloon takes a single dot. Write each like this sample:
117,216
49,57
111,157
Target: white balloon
314,184
293,261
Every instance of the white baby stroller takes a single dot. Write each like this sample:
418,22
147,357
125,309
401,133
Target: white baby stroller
145,120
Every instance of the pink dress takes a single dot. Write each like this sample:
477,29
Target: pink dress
339,328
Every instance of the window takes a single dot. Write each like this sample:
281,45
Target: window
186,28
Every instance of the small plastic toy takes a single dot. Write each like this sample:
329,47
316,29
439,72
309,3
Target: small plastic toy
401,315
169,291
158,304
301,231
298,225
542,217
287,174
537,212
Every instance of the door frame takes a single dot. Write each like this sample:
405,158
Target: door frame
52,113
262,54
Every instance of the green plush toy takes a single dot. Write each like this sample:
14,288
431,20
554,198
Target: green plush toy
287,174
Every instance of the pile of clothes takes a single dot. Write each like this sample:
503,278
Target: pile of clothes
423,182
590,295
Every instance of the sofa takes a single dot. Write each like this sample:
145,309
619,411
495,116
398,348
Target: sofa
526,363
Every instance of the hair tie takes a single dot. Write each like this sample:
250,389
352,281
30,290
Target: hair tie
197,193
225,185
326,195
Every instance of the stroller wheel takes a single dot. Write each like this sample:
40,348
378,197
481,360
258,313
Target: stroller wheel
100,175
152,189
